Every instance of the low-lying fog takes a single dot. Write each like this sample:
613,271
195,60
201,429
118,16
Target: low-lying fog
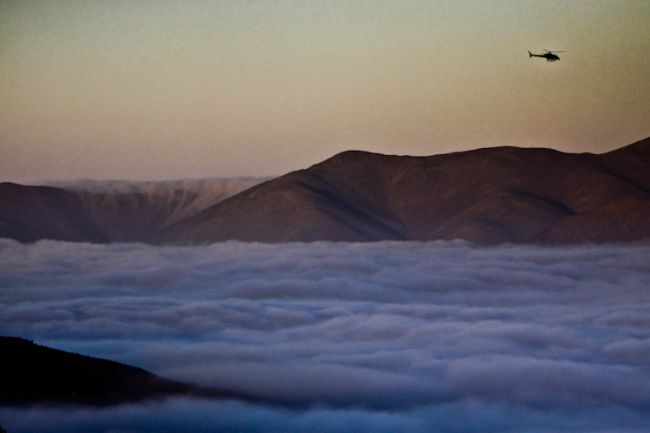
408,337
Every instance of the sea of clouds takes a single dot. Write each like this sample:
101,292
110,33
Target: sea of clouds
346,337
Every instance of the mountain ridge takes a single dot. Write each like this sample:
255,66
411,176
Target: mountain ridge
112,211
486,196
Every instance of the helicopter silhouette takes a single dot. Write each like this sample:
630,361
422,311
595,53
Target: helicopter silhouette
549,55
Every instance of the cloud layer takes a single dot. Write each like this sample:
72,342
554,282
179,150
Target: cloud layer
359,337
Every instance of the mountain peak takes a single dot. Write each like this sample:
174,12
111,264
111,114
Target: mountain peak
638,147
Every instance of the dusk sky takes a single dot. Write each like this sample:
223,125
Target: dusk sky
177,89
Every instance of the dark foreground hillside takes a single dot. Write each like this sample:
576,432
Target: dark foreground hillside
30,373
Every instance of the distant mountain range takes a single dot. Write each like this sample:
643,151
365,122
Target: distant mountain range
108,211
486,196
35,374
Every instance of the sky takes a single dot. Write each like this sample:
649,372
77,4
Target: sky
377,337
151,90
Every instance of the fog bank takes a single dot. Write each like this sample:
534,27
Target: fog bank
347,337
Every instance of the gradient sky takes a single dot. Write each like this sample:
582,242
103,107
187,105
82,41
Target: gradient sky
174,89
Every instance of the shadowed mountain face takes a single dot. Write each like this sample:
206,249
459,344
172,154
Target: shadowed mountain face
30,374
487,196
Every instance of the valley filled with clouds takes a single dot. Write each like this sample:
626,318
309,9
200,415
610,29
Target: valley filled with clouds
386,336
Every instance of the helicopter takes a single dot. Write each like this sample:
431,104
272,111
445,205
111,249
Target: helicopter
549,55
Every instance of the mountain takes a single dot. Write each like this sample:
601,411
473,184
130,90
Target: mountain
492,195
486,196
30,213
126,211
30,374
107,211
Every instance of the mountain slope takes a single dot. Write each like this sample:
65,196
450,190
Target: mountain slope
29,213
488,195
139,211
30,373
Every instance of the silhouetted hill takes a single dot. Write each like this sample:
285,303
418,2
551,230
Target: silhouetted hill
492,195
30,373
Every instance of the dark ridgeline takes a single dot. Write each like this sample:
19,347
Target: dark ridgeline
487,196
30,374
